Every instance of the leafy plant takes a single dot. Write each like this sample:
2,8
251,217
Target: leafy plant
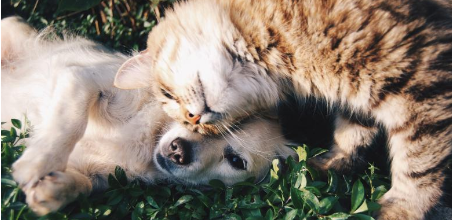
295,192
12,139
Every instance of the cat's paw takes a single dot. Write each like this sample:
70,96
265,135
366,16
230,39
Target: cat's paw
32,166
330,160
51,193
395,208
395,212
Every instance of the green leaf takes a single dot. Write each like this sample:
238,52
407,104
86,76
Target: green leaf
120,175
9,195
8,182
233,217
326,204
317,151
5,133
8,139
269,215
139,208
251,202
113,182
152,213
275,166
363,217
348,184
314,190
204,200
378,193
152,202
17,205
302,154
13,132
183,200
164,191
310,199
115,197
254,218
16,123
362,208
297,198
332,181
251,213
339,216
314,174
291,215
301,182
373,206
76,5
372,169
228,194
135,216
135,191
357,195
317,184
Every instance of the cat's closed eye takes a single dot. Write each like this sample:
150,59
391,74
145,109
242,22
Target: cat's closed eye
167,94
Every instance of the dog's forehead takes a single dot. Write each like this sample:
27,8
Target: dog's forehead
257,135
257,129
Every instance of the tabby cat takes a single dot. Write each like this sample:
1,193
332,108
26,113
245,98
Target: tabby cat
215,62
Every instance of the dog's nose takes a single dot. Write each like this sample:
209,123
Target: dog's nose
179,152
192,118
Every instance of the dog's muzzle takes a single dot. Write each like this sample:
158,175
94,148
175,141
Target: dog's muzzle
178,154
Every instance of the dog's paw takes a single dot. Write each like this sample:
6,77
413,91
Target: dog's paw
51,192
32,166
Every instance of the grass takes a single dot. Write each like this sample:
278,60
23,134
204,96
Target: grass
295,192
119,24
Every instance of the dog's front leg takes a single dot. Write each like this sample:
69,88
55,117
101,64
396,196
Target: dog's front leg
64,122
56,190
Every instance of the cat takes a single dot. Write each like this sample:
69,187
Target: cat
83,127
382,63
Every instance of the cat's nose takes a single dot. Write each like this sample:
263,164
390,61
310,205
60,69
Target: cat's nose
192,118
179,152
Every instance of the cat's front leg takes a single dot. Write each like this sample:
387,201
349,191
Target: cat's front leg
64,122
418,172
350,137
56,190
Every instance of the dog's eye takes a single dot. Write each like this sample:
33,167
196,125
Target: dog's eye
166,94
236,161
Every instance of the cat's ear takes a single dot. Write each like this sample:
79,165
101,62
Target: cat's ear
135,73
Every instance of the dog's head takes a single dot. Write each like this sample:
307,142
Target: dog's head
244,152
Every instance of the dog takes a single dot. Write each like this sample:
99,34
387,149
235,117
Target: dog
83,127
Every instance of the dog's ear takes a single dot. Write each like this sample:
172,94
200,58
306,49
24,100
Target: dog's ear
135,73
15,33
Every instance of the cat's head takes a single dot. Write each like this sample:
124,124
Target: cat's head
200,70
